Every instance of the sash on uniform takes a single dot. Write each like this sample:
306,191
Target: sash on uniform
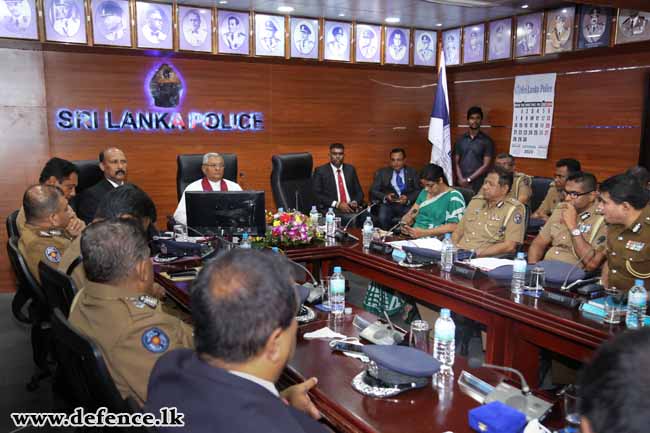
205,183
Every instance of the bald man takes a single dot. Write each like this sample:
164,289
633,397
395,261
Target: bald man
113,163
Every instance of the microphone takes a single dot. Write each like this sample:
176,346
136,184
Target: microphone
297,199
390,230
477,363
343,234
591,249
221,238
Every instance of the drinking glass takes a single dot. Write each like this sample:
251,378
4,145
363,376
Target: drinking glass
571,414
419,335
180,233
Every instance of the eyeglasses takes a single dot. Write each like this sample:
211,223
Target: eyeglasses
214,165
576,194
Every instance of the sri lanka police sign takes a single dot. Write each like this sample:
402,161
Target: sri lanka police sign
165,89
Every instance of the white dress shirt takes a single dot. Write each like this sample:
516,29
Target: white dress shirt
336,183
180,215
269,386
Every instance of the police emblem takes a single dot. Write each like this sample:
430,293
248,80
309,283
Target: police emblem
517,218
155,340
53,254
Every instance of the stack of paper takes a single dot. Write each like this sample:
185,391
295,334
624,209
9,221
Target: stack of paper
487,264
428,243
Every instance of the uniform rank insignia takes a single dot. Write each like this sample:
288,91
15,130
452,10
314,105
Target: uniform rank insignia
155,340
636,228
584,216
52,254
149,301
527,181
517,218
634,245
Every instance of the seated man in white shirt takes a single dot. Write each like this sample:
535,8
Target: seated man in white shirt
213,168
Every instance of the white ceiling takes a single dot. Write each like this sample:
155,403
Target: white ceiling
412,13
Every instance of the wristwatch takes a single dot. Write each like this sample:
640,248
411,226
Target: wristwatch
576,232
469,180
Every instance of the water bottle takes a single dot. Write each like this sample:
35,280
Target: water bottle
518,274
245,242
337,292
637,299
367,232
330,227
444,340
447,254
313,217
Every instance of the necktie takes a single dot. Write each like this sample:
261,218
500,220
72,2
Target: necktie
343,198
223,185
399,182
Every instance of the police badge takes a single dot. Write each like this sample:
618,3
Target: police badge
166,87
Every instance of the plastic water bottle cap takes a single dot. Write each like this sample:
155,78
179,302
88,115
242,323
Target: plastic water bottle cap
337,269
348,310
445,313
275,249
280,209
447,235
520,255
638,283
330,210
313,207
244,235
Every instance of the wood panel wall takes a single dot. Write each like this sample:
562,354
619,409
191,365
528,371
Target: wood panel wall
307,106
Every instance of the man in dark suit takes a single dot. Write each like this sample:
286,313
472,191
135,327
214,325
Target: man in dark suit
113,163
228,383
396,187
336,185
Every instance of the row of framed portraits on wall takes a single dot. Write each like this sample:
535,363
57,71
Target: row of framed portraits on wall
151,25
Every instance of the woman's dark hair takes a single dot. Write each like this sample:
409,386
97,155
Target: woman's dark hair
432,173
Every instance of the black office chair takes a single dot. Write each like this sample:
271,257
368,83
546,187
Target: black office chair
467,193
291,181
189,169
59,288
87,381
540,187
12,227
89,174
38,313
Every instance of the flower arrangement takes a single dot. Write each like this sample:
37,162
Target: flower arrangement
289,229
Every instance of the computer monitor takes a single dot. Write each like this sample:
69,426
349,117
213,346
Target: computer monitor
233,211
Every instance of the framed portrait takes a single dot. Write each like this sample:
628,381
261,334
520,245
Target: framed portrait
425,43
18,19
500,40
111,22
451,46
529,35
368,40
559,30
397,45
154,24
474,43
194,29
594,26
304,38
234,30
632,26
65,21
269,35
337,36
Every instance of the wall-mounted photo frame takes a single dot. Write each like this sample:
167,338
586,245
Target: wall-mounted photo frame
500,40
233,32
154,25
425,44
632,26
337,36
194,29
65,21
529,35
18,19
368,42
594,26
111,21
397,45
304,37
559,30
269,35
451,46
474,43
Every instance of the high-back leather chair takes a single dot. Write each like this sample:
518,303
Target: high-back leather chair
189,169
540,187
83,369
467,193
89,174
59,289
291,181
12,227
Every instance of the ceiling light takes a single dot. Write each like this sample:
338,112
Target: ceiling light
524,6
341,14
564,11
223,2
439,25
392,20
285,9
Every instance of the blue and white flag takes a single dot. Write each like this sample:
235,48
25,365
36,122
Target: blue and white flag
439,130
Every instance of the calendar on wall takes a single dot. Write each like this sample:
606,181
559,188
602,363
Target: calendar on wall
532,115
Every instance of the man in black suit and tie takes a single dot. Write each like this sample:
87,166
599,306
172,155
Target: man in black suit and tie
244,306
113,163
395,187
336,185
